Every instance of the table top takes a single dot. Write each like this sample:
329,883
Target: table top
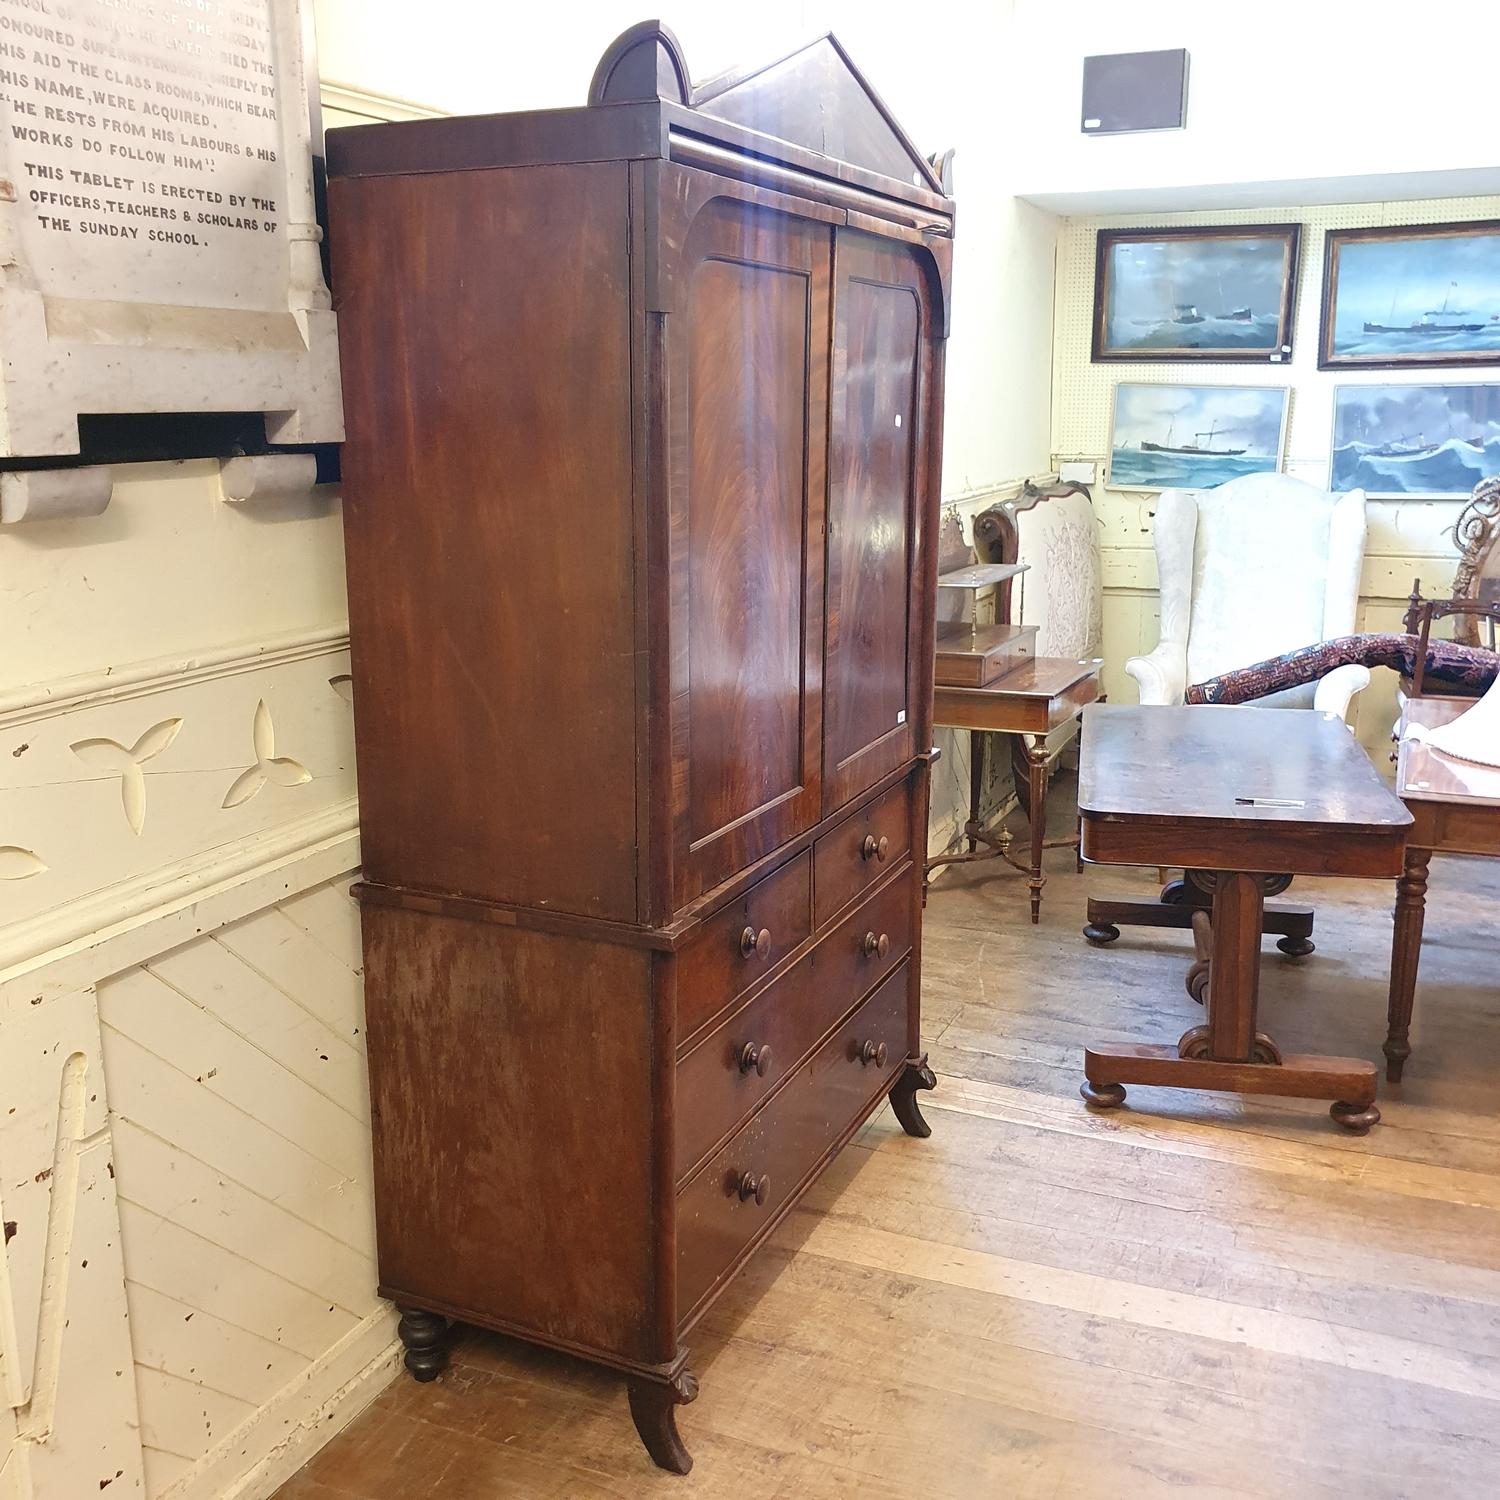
1231,767
1424,774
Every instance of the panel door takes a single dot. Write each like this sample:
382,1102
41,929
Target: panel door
748,398
873,683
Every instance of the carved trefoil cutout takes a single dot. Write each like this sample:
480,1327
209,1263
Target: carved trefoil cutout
18,864
112,756
280,769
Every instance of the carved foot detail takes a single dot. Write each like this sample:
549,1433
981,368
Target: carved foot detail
1101,1095
1296,947
425,1335
1100,933
904,1097
653,1409
1355,1118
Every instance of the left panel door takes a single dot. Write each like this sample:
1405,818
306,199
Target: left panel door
748,400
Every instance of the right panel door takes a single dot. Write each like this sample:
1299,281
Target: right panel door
876,463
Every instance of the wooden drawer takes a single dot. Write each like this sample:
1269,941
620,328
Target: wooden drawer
860,851
719,1083
744,1188
719,963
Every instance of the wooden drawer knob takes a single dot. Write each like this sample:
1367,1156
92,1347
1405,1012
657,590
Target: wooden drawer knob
755,1059
753,943
873,1052
876,849
751,1186
875,947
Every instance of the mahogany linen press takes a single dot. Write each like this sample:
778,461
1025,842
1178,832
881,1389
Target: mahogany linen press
644,403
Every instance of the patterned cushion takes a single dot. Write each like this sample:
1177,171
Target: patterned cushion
1469,667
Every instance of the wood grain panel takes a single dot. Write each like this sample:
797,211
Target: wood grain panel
872,637
491,303
748,391
469,1023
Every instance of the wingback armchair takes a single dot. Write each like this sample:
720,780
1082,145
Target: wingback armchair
1249,570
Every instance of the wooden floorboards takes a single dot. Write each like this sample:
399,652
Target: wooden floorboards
1196,1295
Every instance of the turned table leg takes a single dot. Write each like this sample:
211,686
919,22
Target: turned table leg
1406,952
1036,772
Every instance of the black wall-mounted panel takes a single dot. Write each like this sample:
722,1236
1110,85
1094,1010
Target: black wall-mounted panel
1127,91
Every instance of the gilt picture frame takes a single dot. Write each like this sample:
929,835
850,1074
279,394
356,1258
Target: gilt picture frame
1415,297
1221,293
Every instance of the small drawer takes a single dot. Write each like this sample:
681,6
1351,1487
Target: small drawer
744,1188
860,850
743,943
869,942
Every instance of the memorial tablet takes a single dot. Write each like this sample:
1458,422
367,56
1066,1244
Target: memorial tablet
157,227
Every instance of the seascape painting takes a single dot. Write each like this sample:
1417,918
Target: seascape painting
1194,436
1181,294
1428,440
1396,298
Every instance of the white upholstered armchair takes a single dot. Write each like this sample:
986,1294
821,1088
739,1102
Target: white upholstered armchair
1254,568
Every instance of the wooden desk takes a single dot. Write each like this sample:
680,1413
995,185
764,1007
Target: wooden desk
1034,698
1455,809
1237,796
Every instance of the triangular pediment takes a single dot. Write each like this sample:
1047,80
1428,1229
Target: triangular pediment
816,98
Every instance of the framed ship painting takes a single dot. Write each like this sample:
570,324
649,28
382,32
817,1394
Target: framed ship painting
1194,436
1415,298
1196,293
1400,441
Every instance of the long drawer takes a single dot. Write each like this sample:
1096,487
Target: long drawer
727,1074
741,944
743,1189
854,856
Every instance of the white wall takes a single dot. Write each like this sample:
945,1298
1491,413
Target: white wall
1281,90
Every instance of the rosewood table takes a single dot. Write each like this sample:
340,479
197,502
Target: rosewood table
1455,807
1240,797
1032,698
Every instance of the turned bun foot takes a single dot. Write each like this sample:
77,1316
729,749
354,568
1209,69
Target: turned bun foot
1100,933
425,1335
1296,947
1101,1095
1355,1118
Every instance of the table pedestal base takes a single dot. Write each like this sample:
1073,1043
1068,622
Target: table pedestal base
1349,1081
1227,1052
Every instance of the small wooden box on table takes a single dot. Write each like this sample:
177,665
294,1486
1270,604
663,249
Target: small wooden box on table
1240,798
1455,808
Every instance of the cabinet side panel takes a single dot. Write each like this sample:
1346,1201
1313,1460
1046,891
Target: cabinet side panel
484,328
510,1078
